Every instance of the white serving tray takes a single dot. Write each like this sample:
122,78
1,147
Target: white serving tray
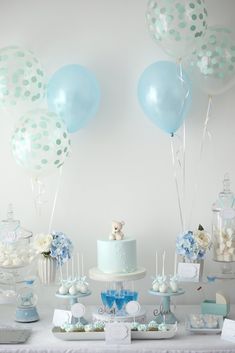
206,330
95,336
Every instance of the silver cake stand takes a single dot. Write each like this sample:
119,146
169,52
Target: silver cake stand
118,279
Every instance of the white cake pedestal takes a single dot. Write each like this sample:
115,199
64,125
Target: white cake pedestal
98,275
117,279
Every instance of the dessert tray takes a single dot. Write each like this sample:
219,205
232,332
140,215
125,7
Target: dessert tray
205,330
135,335
98,275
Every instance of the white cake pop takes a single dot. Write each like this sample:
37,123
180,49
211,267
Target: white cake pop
163,287
73,290
155,287
83,288
63,290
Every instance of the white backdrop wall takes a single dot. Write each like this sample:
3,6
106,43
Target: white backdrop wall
120,166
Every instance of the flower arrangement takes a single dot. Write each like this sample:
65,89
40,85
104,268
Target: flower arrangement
193,245
56,245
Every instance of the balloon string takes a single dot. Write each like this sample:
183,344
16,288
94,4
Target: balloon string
183,164
204,133
38,193
55,200
176,183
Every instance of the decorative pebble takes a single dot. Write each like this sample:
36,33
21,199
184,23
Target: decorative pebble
79,327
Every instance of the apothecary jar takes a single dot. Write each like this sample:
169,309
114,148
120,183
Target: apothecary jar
223,224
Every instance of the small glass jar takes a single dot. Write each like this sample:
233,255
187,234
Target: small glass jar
223,224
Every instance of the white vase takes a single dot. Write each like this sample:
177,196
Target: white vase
47,270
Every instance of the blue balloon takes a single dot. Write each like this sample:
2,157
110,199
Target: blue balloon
74,94
165,95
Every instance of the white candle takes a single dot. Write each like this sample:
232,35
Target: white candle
82,263
175,265
72,267
67,270
156,264
61,275
163,263
78,260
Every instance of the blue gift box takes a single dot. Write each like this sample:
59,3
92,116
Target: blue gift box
211,307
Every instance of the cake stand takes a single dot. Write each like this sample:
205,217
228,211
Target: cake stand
117,279
165,315
73,299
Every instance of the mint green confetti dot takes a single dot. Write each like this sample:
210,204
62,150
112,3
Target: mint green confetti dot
65,135
27,93
194,17
204,46
59,152
57,161
20,54
43,124
193,28
37,146
201,16
65,149
58,125
192,5
25,82
58,141
29,64
46,148
34,79
182,24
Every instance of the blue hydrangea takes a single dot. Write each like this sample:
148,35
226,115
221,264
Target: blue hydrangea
187,246
61,247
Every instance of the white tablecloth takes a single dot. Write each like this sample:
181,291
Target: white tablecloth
43,341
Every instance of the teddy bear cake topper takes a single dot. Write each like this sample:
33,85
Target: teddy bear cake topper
117,233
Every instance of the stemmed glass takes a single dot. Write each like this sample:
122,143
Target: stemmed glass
119,301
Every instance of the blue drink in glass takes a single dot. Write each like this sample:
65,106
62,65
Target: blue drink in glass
135,296
103,298
129,297
120,301
110,298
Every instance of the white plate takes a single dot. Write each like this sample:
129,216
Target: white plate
205,330
135,335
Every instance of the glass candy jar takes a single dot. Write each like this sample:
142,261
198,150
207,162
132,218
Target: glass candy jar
223,225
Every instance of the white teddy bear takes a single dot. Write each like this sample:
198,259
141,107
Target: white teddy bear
117,233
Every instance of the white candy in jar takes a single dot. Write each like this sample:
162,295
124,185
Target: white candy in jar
7,263
17,262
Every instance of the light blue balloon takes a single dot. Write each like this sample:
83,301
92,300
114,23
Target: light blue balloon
165,95
73,93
